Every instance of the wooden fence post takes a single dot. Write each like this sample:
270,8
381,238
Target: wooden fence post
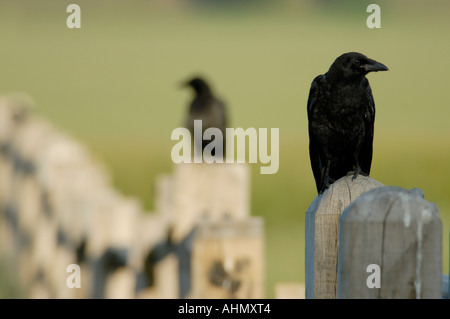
212,190
322,224
203,191
164,199
157,265
390,246
228,259
167,278
121,281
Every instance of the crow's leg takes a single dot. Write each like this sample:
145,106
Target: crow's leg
358,169
327,180
357,172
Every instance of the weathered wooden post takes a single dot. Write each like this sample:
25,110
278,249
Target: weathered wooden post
390,246
164,199
68,179
121,281
204,191
167,278
155,258
156,265
43,248
8,216
27,193
208,190
13,119
228,259
322,224
108,249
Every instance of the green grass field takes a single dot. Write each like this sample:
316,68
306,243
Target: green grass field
114,84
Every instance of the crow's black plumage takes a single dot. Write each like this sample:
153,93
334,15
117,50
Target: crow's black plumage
206,107
341,115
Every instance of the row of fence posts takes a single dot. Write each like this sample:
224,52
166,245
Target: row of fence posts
58,209
367,240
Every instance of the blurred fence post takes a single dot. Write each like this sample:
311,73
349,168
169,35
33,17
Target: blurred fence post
164,199
121,281
399,235
228,259
321,234
201,192
208,190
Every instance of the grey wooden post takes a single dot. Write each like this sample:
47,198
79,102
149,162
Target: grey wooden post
396,235
322,218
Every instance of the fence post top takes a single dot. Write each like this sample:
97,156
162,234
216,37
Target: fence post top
394,201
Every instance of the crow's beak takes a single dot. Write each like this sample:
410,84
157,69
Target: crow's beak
374,67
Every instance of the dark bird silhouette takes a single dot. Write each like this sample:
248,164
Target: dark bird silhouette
341,115
206,107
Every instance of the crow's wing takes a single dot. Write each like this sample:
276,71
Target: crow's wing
318,161
365,155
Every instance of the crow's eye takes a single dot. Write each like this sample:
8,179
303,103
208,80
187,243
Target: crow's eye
357,62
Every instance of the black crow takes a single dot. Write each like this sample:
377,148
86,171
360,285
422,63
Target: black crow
341,115
207,108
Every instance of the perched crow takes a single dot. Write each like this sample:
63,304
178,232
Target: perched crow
341,115
207,108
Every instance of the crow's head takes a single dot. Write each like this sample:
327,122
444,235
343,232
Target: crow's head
199,85
354,65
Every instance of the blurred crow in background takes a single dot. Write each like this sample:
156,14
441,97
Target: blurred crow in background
207,108
341,115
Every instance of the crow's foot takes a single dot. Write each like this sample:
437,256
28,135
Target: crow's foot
357,172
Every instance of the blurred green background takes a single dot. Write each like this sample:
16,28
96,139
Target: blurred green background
114,84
